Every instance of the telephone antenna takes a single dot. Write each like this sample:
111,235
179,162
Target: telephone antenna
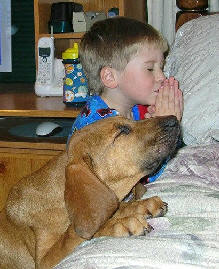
51,31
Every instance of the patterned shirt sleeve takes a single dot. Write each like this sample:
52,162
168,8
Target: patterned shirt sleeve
94,110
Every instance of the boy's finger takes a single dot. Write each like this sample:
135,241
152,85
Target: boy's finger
151,109
181,101
158,102
165,95
172,98
147,116
176,84
178,100
171,81
177,104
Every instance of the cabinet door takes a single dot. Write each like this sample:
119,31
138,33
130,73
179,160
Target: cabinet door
13,167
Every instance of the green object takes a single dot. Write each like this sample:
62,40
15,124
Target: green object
71,53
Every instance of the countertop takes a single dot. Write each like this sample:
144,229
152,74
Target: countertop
20,100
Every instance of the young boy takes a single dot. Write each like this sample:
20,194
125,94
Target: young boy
123,60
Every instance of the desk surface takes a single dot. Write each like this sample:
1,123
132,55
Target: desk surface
20,100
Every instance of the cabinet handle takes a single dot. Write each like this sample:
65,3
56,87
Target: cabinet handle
2,168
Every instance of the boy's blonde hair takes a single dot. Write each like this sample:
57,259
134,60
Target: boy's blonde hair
114,42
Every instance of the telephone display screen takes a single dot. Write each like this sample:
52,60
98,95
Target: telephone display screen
44,52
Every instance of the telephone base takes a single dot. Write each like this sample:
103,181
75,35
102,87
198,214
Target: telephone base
48,90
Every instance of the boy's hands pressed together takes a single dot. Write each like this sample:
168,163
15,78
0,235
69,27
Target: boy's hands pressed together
169,100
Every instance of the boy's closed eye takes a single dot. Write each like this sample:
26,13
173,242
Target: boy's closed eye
153,65
149,67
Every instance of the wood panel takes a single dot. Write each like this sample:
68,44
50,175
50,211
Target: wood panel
13,167
44,16
134,11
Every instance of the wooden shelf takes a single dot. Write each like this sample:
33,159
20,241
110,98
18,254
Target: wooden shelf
64,35
21,100
27,147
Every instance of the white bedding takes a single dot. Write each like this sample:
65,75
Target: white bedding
187,237
194,61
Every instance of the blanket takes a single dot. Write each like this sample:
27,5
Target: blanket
187,237
194,61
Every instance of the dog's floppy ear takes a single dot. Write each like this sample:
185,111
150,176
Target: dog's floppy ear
90,203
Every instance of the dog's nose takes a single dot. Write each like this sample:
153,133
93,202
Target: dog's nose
170,121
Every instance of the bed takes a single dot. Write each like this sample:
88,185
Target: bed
188,236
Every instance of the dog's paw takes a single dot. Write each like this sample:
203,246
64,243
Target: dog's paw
131,218
152,207
133,225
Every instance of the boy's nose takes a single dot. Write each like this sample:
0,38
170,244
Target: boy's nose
160,76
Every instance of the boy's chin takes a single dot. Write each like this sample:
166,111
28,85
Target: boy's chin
149,102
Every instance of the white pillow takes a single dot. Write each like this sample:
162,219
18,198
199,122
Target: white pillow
194,61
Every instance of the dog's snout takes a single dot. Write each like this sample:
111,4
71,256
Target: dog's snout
170,121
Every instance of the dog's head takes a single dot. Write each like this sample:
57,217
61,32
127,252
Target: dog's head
117,149
106,159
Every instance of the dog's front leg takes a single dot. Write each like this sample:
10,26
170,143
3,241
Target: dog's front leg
64,246
130,218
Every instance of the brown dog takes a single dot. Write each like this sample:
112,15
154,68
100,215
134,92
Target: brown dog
77,195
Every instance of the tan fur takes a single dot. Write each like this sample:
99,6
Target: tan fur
77,195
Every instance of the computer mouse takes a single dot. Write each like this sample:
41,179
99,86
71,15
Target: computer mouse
47,128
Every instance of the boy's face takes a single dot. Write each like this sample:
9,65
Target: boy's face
141,79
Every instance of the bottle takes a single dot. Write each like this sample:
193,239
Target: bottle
75,88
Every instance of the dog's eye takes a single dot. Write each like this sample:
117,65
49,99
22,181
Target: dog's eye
124,129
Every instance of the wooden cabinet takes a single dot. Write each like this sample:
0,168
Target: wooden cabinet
20,156
21,159
129,8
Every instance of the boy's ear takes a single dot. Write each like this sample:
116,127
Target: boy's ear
108,77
